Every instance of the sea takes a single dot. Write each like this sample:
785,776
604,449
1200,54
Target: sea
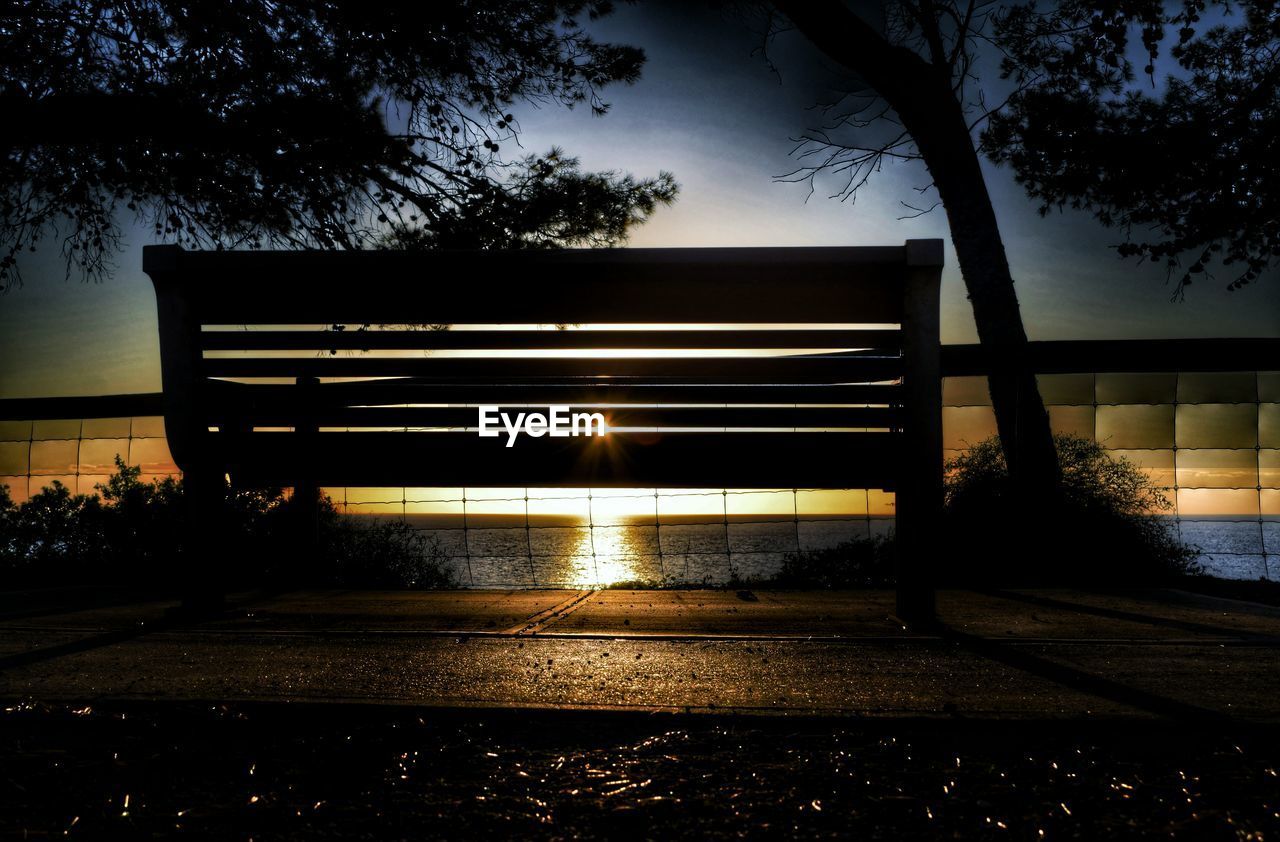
581,556
503,553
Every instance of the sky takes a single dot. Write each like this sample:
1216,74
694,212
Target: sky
716,115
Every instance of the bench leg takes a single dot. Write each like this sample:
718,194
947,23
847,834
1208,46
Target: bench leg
306,505
919,495
916,603
202,583
306,492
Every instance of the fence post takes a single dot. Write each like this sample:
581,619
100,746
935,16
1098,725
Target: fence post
919,495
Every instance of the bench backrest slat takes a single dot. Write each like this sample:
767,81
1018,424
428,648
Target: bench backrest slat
704,370
421,340
775,285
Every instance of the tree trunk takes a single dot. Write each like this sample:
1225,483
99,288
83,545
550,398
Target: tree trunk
922,96
938,126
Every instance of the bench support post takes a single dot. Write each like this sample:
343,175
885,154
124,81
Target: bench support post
306,493
919,496
202,584
200,581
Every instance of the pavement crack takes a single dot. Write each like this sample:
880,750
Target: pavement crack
542,619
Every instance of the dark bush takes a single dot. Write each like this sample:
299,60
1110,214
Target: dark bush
380,553
137,534
860,563
55,530
1104,527
142,526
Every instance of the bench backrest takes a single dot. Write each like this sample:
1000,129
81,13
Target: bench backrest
258,384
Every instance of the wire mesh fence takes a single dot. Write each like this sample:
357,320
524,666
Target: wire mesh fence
544,536
1212,440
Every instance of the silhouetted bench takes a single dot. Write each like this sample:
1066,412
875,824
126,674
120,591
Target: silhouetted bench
260,386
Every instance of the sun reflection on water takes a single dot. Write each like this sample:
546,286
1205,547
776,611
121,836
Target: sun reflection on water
602,557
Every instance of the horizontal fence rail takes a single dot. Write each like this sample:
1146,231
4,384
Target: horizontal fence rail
1125,355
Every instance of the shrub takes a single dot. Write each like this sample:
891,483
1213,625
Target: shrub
1103,528
138,534
53,530
860,563
381,554
142,525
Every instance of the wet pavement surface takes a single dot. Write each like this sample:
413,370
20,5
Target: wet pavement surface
1001,655
641,714
364,772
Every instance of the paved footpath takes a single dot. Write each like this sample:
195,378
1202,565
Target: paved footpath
1002,655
